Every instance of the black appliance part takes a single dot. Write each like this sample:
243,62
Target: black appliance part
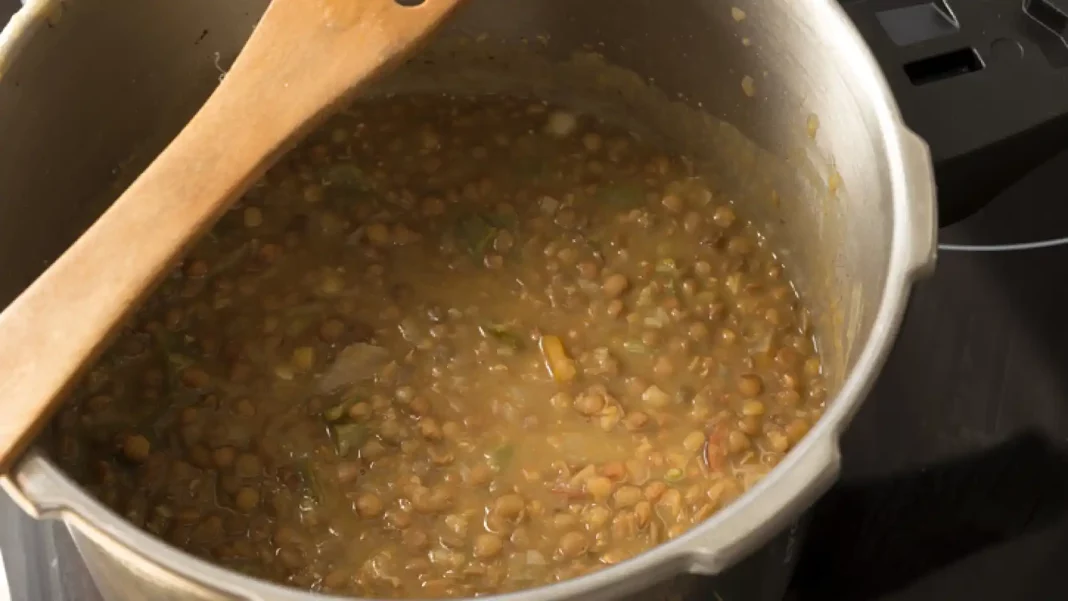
983,81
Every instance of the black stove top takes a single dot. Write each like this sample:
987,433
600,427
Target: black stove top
955,482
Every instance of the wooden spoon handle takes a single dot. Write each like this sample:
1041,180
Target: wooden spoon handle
270,98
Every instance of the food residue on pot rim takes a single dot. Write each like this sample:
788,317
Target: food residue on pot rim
748,86
812,125
834,182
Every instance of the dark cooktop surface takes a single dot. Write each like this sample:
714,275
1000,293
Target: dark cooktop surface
955,481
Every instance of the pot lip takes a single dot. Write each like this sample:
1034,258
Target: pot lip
49,492
32,15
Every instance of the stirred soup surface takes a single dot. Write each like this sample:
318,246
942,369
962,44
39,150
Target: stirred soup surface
447,347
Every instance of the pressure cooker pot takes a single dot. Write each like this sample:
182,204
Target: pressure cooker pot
782,101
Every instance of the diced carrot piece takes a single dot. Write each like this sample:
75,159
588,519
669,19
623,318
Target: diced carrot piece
560,365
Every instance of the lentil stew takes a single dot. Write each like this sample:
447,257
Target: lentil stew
451,346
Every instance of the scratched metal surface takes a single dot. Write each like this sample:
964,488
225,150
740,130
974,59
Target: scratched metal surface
29,549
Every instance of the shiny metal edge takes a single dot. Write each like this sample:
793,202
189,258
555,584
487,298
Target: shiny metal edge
33,15
810,469
8,485
923,197
45,492
812,474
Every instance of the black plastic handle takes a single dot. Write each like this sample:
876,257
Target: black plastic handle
983,81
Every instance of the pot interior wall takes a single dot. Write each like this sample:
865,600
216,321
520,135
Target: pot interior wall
753,91
81,114
89,99
86,102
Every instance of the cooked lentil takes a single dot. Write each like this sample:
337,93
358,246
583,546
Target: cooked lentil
451,346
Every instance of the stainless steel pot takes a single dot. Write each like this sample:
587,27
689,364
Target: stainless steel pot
92,89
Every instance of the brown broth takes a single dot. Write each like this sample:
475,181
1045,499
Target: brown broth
451,346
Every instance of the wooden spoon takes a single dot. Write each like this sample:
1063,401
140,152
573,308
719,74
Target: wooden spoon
303,60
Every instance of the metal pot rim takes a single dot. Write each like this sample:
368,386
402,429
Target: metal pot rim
44,491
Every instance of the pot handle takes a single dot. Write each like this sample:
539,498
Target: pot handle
919,189
982,82
9,484
37,489
772,505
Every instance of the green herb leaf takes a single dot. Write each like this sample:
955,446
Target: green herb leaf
306,309
230,260
502,457
505,220
529,166
624,196
164,345
475,233
674,475
333,414
179,361
348,437
346,176
311,479
707,296
341,409
301,317
502,334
